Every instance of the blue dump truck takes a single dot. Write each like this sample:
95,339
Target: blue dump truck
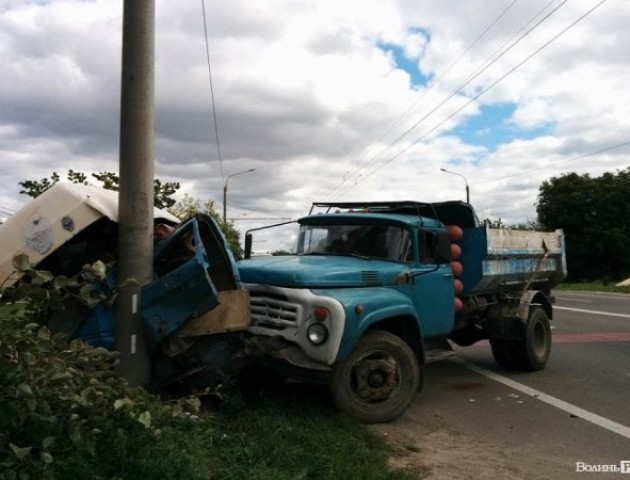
376,290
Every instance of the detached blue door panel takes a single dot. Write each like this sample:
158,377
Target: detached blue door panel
184,290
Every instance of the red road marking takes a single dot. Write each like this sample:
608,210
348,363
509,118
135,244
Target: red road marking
591,337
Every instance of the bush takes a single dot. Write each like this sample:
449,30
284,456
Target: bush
65,414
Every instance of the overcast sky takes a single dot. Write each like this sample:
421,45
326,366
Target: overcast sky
328,100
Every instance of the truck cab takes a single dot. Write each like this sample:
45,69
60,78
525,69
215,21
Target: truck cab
362,275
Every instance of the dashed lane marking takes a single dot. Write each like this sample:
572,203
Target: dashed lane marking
594,312
571,409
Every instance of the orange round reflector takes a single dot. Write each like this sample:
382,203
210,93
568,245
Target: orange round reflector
456,251
454,232
457,268
459,305
320,313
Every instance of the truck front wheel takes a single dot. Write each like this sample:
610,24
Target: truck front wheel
378,381
529,353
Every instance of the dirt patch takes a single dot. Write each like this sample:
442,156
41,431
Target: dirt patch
428,446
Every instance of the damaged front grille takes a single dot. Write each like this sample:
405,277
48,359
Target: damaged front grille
272,311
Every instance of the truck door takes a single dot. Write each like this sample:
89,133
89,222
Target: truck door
433,286
193,266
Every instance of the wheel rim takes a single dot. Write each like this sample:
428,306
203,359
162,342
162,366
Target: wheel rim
539,340
375,377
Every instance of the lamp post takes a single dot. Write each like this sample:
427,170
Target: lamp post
465,181
225,187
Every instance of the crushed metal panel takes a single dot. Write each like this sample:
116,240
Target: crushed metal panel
232,314
53,218
41,227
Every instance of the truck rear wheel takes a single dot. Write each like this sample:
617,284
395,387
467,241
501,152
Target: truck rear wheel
529,353
378,381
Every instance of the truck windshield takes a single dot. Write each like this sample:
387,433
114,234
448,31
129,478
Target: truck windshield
372,241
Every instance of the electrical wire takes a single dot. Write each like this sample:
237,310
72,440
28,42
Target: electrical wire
566,160
214,110
426,92
455,62
7,212
500,52
482,92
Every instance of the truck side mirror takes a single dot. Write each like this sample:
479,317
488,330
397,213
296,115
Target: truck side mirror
248,245
443,248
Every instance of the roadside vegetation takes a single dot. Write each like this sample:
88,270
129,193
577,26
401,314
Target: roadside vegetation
593,213
594,286
65,414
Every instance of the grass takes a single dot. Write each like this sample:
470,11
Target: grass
287,432
596,286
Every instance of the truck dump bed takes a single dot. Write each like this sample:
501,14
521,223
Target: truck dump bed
502,259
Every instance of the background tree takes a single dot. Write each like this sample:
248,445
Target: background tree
189,206
593,212
492,223
163,198
498,223
163,192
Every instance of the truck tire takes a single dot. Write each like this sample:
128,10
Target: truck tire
529,353
379,379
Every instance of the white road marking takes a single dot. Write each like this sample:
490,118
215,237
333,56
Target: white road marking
594,312
569,299
553,401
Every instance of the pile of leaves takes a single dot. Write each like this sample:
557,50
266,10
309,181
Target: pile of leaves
63,411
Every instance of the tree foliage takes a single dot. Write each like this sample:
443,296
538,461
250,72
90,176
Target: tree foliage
162,191
498,224
189,206
163,198
593,212
63,411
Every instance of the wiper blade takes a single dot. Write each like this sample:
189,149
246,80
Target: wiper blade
338,254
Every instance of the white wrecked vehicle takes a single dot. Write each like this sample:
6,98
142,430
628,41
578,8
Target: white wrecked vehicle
194,311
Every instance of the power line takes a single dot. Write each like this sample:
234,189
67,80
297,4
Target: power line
426,92
482,92
500,52
214,110
590,154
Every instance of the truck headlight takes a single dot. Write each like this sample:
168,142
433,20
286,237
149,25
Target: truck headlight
317,333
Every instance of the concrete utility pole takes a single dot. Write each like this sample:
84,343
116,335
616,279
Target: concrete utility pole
135,207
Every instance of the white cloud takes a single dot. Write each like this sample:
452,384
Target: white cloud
305,96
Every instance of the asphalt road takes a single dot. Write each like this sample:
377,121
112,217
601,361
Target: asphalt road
573,415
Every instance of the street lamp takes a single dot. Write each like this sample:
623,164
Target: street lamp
465,181
225,186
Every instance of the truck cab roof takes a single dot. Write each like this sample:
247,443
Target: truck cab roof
424,214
